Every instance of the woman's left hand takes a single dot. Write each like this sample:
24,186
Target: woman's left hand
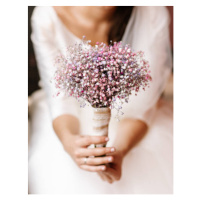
113,170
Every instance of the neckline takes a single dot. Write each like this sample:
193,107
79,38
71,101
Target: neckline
64,26
78,39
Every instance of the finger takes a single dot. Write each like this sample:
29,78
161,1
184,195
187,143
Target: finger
88,140
107,178
93,168
101,176
96,160
112,173
84,152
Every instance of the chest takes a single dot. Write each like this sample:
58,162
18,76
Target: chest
97,33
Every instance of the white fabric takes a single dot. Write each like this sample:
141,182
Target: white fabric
147,168
100,122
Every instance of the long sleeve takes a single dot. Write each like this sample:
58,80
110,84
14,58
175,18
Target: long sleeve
148,31
44,37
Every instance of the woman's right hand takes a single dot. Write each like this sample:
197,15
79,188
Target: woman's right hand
77,147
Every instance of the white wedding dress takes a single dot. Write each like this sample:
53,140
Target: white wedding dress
148,167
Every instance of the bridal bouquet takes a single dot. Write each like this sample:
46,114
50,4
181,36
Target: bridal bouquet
102,75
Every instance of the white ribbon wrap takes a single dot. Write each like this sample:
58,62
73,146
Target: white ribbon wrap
100,122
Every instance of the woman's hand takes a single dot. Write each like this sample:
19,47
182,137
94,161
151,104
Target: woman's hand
76,146
129,133
113,170
67,130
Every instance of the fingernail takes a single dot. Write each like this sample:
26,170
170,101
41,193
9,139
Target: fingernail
110,159
103,167
106,139
112,149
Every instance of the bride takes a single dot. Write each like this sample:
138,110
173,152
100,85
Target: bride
139,147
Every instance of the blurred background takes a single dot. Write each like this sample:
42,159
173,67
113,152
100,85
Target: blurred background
33,76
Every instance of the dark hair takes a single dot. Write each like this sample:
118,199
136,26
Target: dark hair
120,21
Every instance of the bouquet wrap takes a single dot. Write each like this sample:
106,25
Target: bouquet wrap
100,123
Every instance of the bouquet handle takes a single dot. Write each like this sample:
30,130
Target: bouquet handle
100,123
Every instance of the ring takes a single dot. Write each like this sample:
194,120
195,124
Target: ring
85,160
